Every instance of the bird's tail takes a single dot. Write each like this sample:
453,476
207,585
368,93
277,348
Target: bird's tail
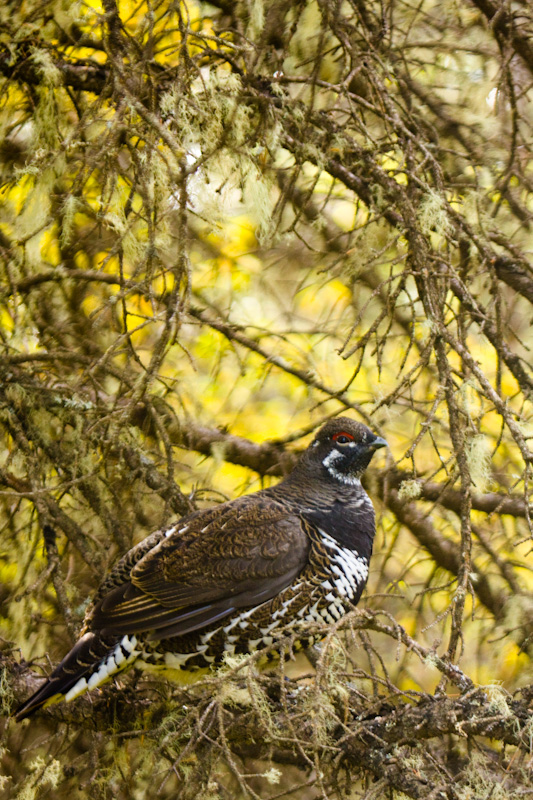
91,662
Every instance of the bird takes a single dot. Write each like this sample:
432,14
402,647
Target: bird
235,578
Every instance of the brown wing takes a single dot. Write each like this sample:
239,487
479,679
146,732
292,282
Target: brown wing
237,555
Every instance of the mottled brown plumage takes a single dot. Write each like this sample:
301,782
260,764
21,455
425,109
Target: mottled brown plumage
235,577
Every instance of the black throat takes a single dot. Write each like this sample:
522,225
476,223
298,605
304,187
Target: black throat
344,512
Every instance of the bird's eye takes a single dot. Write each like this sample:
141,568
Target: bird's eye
342,438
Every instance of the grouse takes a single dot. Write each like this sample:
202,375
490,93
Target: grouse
234,578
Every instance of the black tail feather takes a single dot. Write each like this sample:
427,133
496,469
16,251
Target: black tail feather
51,687
81,661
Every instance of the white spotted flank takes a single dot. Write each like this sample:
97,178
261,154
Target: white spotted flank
350,569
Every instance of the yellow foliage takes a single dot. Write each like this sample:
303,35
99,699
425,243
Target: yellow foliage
391,163
50,247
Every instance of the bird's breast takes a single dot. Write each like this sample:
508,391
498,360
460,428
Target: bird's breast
345,570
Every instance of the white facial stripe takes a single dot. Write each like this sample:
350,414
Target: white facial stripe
331,458
329,463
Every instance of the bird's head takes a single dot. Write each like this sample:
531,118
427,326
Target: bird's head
344,449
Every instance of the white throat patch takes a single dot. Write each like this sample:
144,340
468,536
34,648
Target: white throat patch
329,463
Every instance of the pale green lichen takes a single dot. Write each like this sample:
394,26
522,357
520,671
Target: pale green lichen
231,695
497,697
44,774
256,18
432,660
7,697
169,103
409,490
74,402
320,714
432,214
257,193
468,397
71,207
45,65
527,734
273,775
16,395
478,783
478,457
232,662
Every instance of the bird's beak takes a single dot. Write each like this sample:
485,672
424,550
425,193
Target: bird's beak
377,443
